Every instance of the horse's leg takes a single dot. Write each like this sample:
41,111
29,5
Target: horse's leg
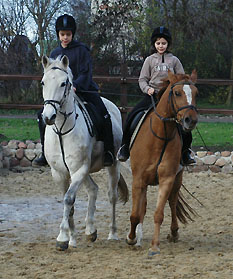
173,198
92,190
69,199
165,186
138,210
114,176
139,231
62,179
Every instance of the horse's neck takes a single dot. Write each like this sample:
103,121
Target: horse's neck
164,108
162,122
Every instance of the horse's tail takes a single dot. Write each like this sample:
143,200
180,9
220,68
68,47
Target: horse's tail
183,210
123,190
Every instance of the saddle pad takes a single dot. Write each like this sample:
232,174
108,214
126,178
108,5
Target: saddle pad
86,115
138,126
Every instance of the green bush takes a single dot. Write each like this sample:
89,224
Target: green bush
220,95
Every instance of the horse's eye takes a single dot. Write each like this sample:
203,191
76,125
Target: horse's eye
63,84
177,93
42,83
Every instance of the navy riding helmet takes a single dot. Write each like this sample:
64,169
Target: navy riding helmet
161,32
65,22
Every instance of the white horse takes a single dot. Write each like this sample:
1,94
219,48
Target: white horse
73,153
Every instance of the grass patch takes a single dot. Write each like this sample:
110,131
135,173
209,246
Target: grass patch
216,136
19,129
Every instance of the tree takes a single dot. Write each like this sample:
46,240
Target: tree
224,29
111,20
12,21
42,14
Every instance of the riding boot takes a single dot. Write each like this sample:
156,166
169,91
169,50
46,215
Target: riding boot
124,152
109,153
41,160
187,159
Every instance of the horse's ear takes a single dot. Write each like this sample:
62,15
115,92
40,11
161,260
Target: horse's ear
194,76
65,61
45,61
171,77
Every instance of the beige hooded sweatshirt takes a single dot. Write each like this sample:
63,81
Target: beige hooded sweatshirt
153,70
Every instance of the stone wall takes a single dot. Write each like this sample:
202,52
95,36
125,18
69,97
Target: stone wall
16,153
213,161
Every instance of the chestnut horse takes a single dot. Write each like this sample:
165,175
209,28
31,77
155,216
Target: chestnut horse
155,158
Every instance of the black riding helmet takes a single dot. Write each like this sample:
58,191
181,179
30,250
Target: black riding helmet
65,22
161,32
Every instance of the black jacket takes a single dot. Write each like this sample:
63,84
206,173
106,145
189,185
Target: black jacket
80,64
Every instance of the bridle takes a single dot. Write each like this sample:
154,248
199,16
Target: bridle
59,132
171,100
66,91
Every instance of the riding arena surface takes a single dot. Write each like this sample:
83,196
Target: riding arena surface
31,210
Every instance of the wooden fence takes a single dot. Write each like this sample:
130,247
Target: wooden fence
124,81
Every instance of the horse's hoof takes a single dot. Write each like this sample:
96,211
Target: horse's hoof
92,237
131,241
113,236
62,246
172,238
152,253
73,243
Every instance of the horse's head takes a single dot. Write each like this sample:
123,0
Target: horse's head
56,82
182,97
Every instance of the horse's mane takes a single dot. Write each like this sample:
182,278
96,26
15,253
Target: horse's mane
165,82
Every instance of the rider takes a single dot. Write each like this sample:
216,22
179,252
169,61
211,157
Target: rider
154,69
81,67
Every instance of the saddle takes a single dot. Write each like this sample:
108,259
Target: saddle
137,123
92,118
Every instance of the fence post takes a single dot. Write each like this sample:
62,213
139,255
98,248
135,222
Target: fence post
123,86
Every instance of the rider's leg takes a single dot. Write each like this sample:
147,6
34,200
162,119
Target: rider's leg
109,152
124,151
41,160
186,148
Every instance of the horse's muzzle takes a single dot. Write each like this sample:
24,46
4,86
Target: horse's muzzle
51,120
189,123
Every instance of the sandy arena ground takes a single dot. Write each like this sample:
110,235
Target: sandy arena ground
31,211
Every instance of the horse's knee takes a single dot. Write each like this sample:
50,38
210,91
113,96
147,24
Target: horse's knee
158,218
69,200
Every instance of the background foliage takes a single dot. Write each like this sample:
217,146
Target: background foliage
118,32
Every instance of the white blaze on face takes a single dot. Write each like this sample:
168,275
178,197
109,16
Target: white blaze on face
188,93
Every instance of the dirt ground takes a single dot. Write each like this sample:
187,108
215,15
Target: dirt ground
31,211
